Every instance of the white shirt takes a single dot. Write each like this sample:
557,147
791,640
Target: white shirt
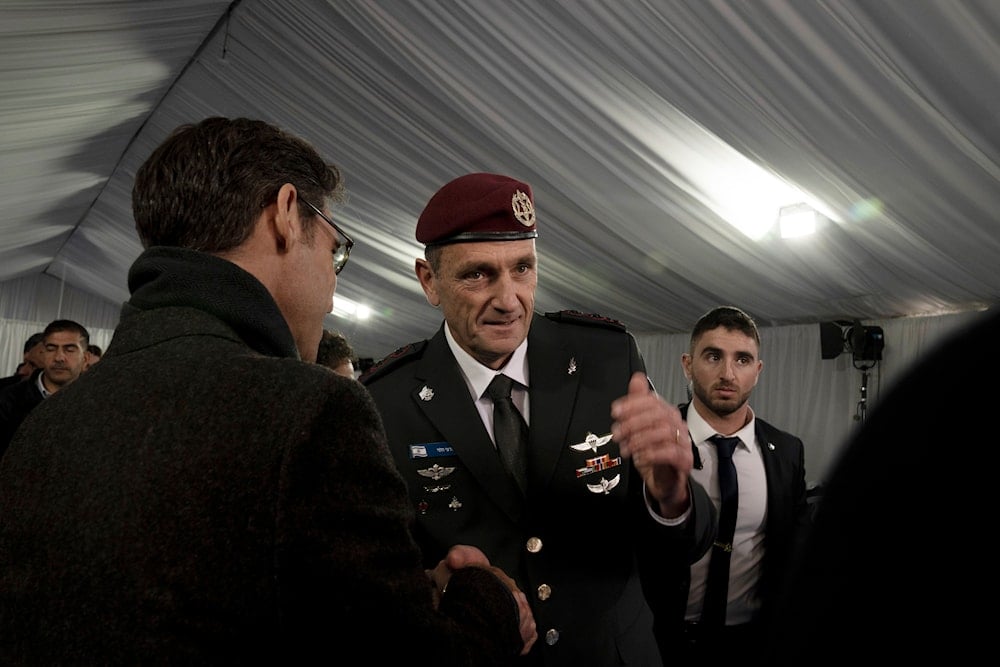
41,386
748,540
478,378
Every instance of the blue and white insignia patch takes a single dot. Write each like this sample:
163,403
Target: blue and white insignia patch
429,450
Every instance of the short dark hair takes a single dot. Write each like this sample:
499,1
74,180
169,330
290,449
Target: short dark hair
205,185
33,340
95,350
68,325
729,317
334,349
432,254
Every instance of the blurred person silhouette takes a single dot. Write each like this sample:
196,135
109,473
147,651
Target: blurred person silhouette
94,353
64,344
336,353
899,555
23,371
595,472
31,361
717,614
234,503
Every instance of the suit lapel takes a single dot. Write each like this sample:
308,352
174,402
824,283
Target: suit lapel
442,394
771,468
554,381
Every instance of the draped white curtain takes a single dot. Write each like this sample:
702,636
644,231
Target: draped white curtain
816,399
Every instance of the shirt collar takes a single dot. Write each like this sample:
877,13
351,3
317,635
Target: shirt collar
700,430
41,386
477,376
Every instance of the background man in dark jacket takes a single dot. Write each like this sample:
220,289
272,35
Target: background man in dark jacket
336,353
63,358
31,361
233,504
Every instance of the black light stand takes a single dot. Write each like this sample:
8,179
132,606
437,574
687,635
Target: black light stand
863,403
865,343
861,354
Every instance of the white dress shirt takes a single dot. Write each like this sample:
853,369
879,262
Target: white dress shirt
41,386
748,540
478,378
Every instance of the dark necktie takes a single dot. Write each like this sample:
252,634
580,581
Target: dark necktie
509,429
717,587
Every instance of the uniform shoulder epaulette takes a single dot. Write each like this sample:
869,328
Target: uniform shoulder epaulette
391,361
592,319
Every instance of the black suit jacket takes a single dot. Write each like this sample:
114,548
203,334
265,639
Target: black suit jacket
785,526
9,380
572,544
16,401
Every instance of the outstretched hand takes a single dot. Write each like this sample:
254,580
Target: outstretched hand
652,433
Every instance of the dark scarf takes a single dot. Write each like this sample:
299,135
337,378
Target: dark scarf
163,276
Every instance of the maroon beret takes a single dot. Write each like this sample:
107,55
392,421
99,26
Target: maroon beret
478,207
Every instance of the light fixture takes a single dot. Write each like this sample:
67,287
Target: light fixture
797,220
865,343
344,307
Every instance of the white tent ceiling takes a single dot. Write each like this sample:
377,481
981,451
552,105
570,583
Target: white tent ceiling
628,118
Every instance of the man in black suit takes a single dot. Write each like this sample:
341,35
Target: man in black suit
723,365
232,503
604,478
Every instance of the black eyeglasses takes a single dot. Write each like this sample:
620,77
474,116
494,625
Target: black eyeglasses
344,242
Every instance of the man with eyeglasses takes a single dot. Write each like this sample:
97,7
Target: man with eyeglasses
233,504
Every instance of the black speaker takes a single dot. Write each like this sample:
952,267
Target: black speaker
867,343
831,340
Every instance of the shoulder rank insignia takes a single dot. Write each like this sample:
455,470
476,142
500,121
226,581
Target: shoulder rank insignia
392,360
592,319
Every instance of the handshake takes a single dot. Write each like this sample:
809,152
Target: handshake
467,567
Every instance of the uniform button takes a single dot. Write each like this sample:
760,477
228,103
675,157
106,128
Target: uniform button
551,636
534,544
544,592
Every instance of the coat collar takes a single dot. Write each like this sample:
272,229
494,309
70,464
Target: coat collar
165,277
